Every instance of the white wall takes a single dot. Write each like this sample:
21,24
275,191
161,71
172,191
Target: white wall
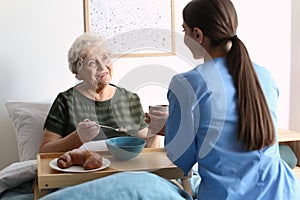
36,34
295,71
34,39
265,28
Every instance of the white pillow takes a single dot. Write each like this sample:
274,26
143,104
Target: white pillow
28,120
16,174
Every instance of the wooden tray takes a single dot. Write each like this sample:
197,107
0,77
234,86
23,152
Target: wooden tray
291,138
288,136
152,160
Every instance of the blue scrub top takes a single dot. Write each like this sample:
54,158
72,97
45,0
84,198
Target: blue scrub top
202,128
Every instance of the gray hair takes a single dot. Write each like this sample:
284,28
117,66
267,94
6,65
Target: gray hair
78,50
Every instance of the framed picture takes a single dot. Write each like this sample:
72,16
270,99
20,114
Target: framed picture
133,27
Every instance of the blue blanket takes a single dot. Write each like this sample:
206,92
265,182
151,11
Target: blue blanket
22,192
123,185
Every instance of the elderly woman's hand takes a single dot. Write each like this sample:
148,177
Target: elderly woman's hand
87,130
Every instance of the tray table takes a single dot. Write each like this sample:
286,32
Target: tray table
153,160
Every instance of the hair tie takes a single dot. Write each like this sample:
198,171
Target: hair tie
233,37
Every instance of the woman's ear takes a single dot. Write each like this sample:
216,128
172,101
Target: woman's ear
78,76
198,35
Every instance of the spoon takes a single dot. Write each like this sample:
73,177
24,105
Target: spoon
120,129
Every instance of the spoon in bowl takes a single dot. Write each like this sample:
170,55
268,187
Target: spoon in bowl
120,129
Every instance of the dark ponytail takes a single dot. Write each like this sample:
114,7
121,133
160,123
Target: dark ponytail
218,21
256,129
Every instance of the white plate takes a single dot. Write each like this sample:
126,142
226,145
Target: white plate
53,165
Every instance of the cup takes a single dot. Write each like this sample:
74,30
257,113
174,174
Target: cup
157,123
161,108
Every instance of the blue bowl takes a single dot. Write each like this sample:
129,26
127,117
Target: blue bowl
125,148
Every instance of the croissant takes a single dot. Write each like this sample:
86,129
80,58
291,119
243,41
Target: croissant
85,158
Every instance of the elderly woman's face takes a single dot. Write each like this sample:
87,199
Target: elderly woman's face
96,70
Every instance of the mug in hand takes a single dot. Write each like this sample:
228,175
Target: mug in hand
157,123
161,108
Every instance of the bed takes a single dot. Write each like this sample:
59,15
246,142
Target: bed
17,180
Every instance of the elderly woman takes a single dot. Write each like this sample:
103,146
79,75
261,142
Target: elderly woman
77,114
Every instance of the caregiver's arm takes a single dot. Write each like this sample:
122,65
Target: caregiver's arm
179,130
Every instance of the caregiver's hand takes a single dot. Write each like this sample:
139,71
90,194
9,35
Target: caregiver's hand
156,122
87,130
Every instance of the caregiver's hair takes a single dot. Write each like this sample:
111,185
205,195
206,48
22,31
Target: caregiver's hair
218,21
82,46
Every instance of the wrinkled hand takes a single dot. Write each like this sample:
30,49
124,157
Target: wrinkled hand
156,122
87,130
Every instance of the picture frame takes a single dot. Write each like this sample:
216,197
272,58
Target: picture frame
133,28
